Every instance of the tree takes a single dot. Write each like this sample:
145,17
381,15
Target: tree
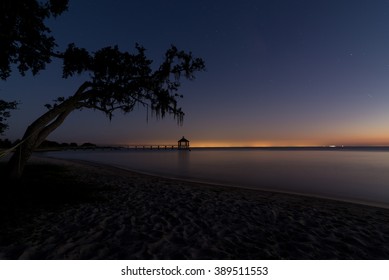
5,113
5,144
118,81
25,40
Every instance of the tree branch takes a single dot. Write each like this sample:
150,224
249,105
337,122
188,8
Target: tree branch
57,55
55,111
52,126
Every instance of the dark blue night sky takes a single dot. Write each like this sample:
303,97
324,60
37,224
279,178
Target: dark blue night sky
278,72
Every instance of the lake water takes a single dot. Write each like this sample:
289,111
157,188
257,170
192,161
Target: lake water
357,174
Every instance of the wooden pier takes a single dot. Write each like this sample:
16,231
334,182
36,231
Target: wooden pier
151,147
145,147
182,144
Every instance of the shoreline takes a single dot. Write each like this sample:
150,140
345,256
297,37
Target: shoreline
112,213
209,183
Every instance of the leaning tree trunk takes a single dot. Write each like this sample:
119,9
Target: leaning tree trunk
16,164
37,132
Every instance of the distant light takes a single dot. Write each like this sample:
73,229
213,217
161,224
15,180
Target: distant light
332,146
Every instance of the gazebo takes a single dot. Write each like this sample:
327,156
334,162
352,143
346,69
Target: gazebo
183,144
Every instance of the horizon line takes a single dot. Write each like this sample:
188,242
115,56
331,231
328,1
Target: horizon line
258,146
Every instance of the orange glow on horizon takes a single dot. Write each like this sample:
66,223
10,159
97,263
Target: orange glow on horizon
206,144
263,144
379,141
335,140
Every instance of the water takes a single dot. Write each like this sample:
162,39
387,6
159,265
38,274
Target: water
359,174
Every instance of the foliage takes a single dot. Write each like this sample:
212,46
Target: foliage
25,39
117,80
5,108
5,144
120,80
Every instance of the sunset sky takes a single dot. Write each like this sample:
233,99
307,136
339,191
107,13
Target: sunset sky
279,72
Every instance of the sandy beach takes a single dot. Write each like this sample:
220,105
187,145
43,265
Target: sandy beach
100,212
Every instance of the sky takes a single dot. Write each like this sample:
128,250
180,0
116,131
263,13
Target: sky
278,72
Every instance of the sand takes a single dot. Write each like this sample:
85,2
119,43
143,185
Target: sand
125,215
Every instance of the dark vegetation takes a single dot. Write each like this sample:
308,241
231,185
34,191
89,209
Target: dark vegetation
48,144
117,81
5,113
6,143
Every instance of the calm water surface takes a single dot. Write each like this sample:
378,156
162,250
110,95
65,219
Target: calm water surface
351,174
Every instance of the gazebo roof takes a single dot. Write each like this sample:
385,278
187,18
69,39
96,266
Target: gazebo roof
183,139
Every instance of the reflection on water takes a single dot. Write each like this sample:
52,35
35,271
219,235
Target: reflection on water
183,161
355,174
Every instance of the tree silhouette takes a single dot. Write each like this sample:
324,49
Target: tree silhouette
118,81
25,40
5,113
